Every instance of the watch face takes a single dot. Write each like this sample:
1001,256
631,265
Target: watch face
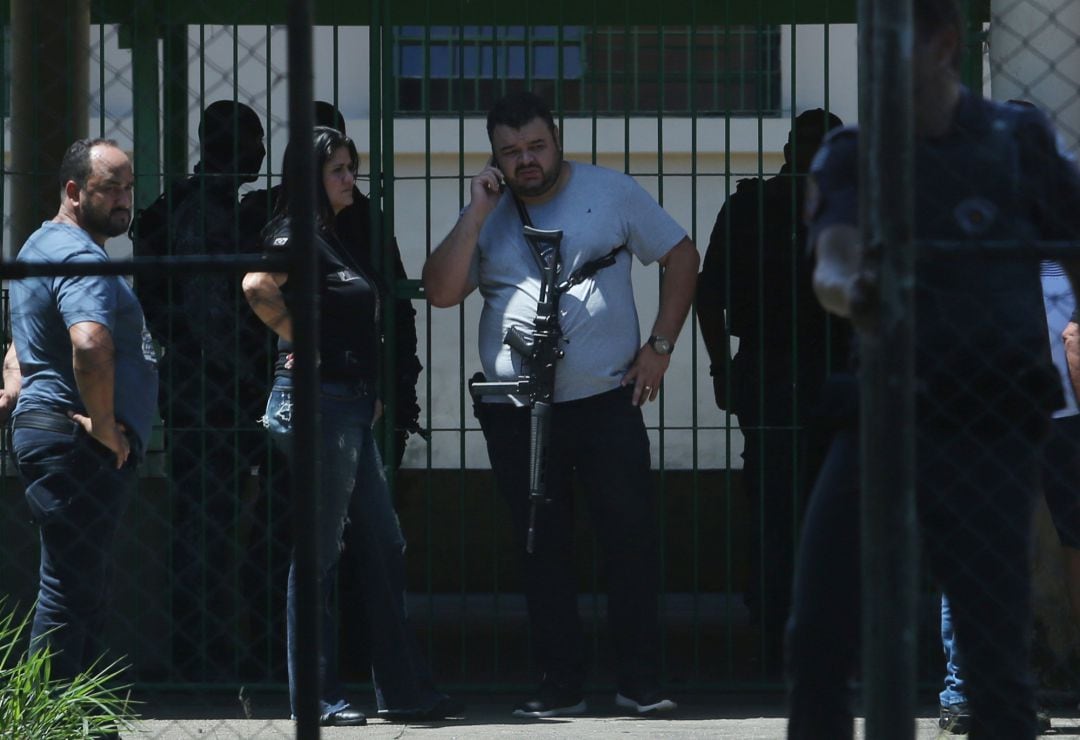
661,345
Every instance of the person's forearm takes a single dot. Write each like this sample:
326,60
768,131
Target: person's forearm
838,269
263,293
12,373
94,362
833,288
446,272
676,289
1071,337
9,395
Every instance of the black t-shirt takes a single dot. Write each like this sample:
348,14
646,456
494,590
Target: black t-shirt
349,307
757,269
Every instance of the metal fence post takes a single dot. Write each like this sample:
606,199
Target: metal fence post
305,470
50,86
144,60
887,419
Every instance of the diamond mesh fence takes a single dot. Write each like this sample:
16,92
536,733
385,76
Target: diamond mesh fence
717,112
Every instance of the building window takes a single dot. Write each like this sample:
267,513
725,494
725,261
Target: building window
606,71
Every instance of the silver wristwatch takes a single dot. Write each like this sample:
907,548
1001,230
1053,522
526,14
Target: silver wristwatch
661,345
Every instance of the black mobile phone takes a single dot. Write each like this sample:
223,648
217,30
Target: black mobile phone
493,163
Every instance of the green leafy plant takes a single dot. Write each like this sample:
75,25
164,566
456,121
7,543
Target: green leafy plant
33,705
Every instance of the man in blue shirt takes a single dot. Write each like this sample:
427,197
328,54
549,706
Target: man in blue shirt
985,174
87,401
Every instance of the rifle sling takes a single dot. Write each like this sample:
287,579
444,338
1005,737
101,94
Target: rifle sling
583,273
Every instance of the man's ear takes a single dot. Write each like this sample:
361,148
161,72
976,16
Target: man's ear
72,192
557,135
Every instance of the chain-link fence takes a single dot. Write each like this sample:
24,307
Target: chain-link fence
716,111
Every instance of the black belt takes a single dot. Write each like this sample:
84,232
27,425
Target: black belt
46,421
344,366
61,423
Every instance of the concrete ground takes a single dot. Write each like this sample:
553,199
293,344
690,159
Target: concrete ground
737,718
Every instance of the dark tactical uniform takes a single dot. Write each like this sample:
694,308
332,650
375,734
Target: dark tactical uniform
214,375
985,388
756,270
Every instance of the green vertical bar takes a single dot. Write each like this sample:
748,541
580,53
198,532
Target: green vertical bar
592,84
240,477
381,51
761,93
496,503
376,190
202,392
661,108
793,245
627,80
144,61
609,86
729,636
335,70
830,323
5,111
560,73
462,492
175,150
695,522
175,88
386,233
425,107
101,79
271,510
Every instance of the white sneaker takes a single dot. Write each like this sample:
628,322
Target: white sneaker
649,703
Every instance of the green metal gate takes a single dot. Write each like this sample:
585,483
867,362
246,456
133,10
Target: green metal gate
687,96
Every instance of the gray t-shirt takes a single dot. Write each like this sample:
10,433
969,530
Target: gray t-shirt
44,308
597,210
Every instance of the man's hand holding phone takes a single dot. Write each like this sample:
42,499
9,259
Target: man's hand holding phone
487,187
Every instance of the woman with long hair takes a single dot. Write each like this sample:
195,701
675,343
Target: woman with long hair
354,490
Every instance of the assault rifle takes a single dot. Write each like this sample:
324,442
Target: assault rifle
541,350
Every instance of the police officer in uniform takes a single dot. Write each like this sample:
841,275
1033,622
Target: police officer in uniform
984,172
786,346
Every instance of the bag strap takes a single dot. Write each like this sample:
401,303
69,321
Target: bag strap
523,213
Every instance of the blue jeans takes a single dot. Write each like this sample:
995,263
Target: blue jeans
354,492
953,693
77,497
973,488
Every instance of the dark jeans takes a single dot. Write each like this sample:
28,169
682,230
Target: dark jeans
975,501
1061,478
1061,486
209,476
214,442
603,440
77,497
781,458
354,492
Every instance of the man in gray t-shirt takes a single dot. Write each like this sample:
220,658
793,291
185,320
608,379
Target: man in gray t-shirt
86,405
597,431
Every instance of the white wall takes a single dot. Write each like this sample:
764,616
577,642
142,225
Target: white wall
1035,56
698,172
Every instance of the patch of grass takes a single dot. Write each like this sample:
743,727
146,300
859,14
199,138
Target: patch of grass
34,705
